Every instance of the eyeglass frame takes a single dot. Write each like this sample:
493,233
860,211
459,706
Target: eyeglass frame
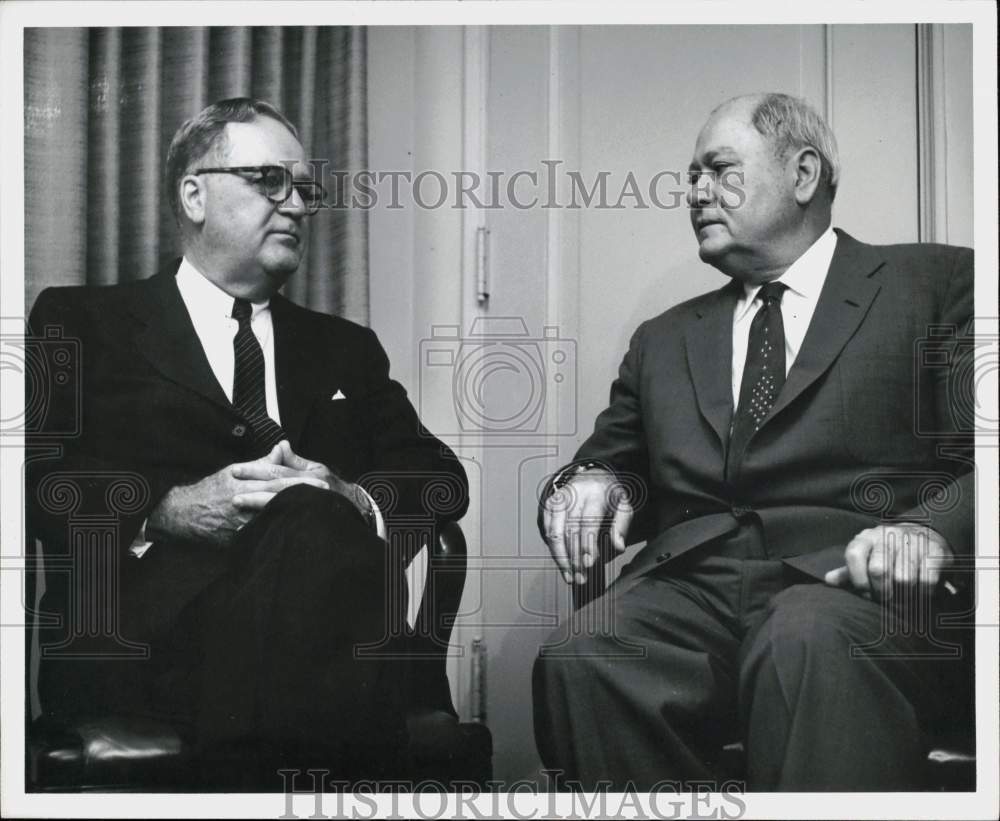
294,185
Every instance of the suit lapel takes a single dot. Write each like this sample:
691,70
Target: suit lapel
168,341
847,295
300,371
709,344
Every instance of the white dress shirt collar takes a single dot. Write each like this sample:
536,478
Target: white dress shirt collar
211,311
204,299
804,277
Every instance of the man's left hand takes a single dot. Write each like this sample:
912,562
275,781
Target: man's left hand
283,462
884,561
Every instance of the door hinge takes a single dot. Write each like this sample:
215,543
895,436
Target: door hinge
482,265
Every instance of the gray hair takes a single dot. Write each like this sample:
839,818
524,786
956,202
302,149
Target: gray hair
791,123
204,134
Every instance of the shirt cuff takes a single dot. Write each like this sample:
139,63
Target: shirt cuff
379,521
139,544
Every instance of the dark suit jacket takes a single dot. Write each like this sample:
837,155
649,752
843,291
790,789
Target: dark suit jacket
141,411
872,424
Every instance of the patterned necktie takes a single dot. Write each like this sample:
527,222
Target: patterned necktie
763,373
248,381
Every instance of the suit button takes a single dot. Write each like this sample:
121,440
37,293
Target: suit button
239,430
664,557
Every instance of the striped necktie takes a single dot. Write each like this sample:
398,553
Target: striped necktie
249,397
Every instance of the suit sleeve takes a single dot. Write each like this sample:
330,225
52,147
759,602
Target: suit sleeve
64,474
413,475
618,441
619,437
952,512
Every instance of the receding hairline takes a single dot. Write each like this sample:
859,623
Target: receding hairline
752,101
732,107
223,142
787,123
742,108
204,136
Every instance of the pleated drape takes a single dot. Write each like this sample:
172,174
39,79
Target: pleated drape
101,106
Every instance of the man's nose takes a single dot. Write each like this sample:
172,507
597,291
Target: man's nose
294,206
701,191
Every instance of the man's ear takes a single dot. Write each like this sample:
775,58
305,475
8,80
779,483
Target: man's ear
808,170
192,198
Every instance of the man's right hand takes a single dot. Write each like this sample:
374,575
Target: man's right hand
576,516
210,509
283,462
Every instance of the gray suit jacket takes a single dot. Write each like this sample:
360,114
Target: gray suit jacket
873,424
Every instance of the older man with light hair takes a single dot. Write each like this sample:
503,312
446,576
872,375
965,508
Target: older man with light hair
774,443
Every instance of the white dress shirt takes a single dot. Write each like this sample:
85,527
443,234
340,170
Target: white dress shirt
804,278
211,311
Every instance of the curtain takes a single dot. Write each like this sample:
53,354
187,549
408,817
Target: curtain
101,106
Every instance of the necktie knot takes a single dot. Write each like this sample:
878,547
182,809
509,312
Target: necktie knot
242,309
771,292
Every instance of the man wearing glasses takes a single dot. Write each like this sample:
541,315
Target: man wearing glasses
253,562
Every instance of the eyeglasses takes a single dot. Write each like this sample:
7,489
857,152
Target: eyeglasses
276,183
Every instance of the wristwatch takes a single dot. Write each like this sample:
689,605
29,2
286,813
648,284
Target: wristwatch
563,477
364,503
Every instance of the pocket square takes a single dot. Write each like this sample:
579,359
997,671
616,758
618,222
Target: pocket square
338,395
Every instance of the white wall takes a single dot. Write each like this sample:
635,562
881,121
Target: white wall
955,65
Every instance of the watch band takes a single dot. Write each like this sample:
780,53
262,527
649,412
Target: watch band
567,473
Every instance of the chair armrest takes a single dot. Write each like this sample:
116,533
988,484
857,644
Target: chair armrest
447,563
427,643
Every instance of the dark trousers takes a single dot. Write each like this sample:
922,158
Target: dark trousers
647,683
268,666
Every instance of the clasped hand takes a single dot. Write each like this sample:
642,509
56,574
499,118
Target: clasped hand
575,517
216,507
